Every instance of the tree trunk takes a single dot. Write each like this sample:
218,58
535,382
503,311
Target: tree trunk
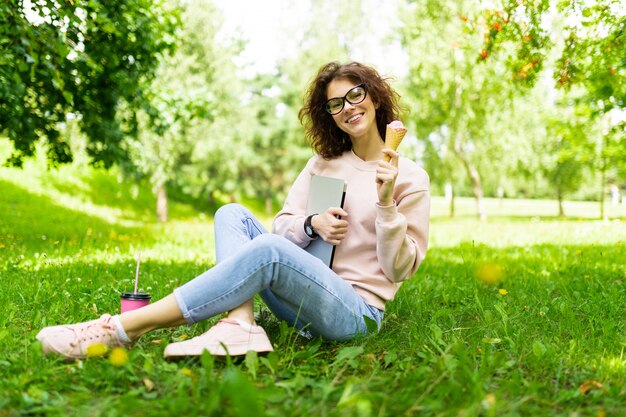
268,205
603,214
161,203
452,201
559,196
477,187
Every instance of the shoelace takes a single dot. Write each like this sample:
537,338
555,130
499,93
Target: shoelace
99,329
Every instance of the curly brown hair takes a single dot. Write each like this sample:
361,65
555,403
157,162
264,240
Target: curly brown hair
325,137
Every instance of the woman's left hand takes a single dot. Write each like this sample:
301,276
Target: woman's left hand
386,174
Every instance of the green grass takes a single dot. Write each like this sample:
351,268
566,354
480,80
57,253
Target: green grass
451,345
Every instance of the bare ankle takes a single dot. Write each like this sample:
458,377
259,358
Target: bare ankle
246,318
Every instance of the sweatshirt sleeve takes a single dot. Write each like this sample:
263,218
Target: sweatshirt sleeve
402,235
289,221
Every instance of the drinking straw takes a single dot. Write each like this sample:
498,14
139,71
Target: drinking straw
137,272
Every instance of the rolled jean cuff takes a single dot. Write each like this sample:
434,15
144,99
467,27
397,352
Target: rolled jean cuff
183,307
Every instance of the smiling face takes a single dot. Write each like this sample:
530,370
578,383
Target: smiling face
357,120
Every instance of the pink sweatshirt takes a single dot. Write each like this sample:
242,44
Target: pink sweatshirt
384,245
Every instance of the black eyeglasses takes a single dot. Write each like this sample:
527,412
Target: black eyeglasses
356,95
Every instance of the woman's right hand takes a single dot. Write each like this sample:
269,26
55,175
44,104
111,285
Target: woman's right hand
329,227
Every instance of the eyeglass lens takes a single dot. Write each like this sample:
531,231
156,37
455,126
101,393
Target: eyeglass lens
355,96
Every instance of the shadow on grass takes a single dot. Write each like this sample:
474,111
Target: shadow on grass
200,204
103,187
37,223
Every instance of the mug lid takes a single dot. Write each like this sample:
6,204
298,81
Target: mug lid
135,296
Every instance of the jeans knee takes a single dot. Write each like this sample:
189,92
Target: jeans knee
271,247
271,241
229,210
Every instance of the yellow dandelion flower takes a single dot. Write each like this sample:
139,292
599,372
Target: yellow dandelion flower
502,291
186,371
96,350
118,356
489,273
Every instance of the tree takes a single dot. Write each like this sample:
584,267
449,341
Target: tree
593,55
273,148
440,163
248,142
258,146
459,88
566,151
195,98
92,58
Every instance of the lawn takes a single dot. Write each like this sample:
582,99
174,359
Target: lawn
519,316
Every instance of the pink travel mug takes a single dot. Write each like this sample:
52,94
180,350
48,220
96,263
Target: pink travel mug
134,300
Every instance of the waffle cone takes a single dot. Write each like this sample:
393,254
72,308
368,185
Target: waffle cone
393,137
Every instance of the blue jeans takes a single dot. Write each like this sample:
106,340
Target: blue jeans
296,286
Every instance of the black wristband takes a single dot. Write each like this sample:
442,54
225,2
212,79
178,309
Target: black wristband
308,227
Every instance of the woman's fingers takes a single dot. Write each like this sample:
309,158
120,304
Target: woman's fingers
336,211
331,228
393,155
385,175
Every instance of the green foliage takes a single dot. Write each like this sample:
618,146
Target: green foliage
91,58
612,152
263,125
247,142
477,93
461,93
588,43
569,150
594,53
519,29
477,85
184,140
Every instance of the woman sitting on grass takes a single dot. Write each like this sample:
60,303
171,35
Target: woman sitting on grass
381,238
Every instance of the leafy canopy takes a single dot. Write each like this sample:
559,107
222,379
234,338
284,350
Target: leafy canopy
90,58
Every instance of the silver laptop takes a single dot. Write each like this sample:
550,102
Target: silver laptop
325,192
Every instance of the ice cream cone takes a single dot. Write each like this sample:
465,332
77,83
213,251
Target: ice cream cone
393,136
